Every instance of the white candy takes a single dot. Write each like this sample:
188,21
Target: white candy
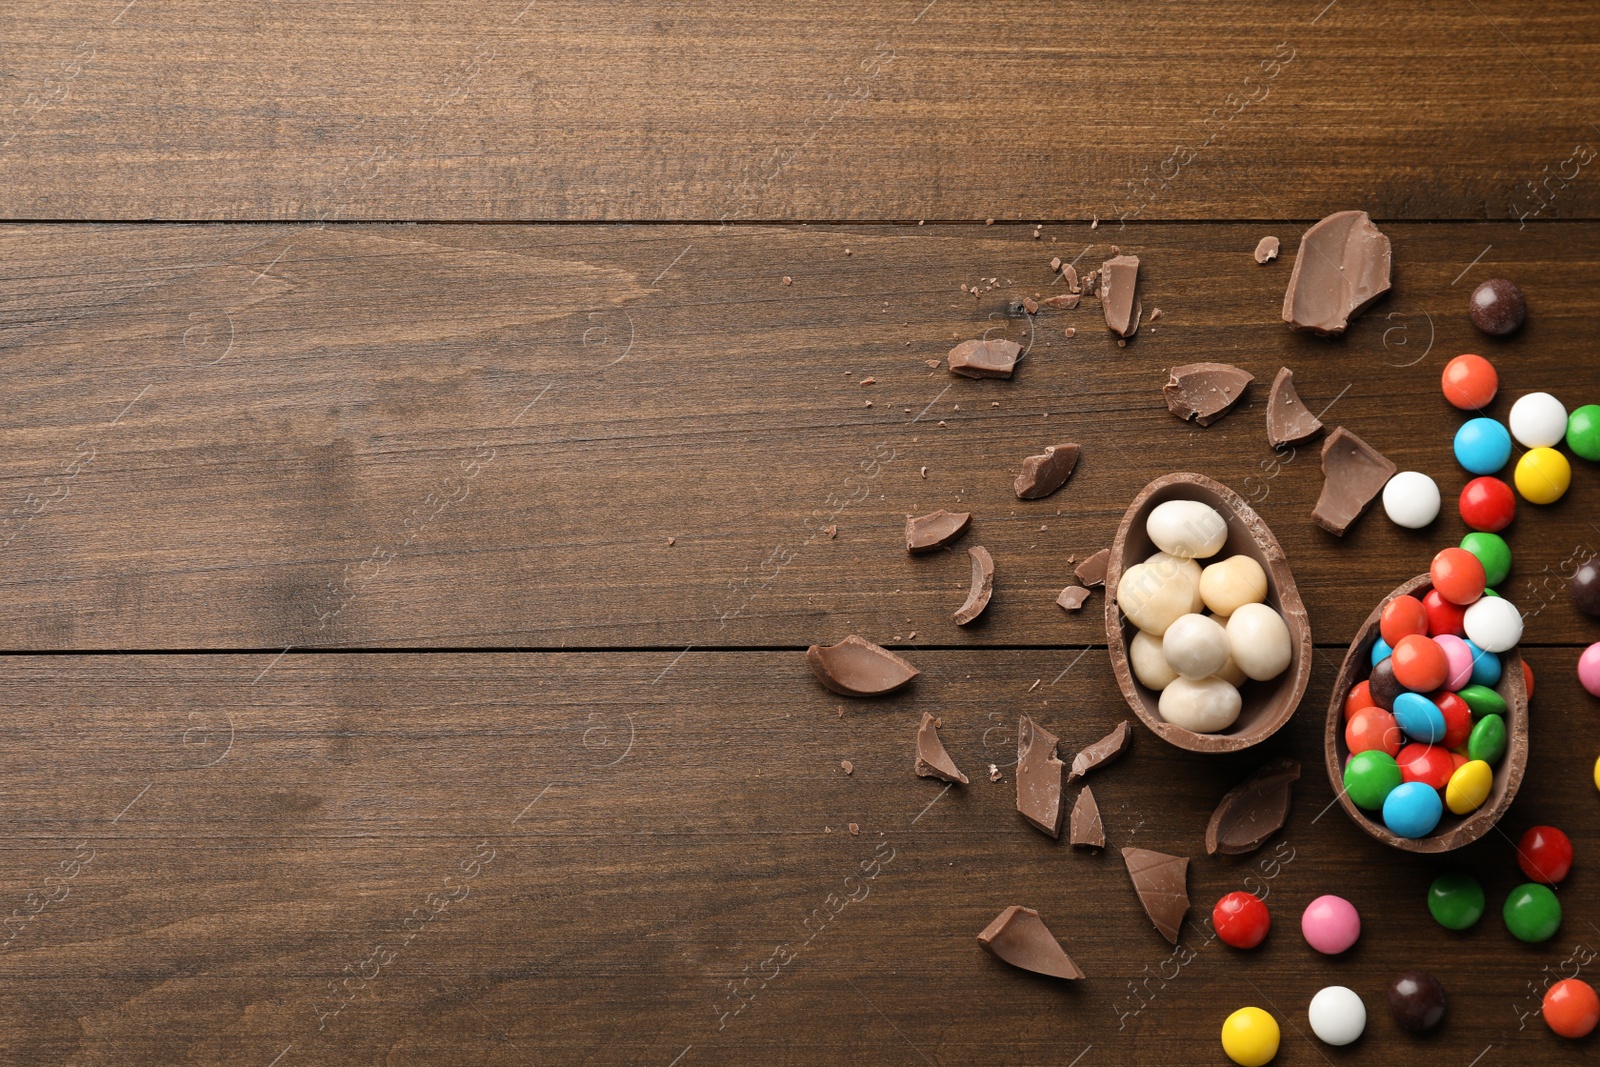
1187,529
1195,646
1337,1015
1231,673
1411,499
1204,706
1154,593
1148,663
1260,641
1493,624
1538,420
1236,581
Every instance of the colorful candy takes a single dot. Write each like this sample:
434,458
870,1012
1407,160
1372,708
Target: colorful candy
1538,420
1571,1008
1418,1002
1411,499
1250,1037
1369,778
1470,382
1487,742
1382,685
1543,475
1468,787
1443,616
1371,729
1487,504
1486,669
1360,696
1457,576
1482,700
1585,587
1230,584
1419,663
1498,307
1589,669
1455,900
1381,651
1426,763
1583,432
1482,445
1330,924
1532,913
1241,920
1337,1015
1458,660
1493,624
1402,616
1545,854
1413,809
1492,552
1419,717
1457,719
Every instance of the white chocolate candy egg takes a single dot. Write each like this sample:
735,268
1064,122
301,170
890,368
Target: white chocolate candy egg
1260,641
1153,595
1231,673
1229,585
1186,570
1187,528
1195,646
1148,663
1204,706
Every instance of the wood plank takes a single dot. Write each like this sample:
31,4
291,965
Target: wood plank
646,831
631,110
248,437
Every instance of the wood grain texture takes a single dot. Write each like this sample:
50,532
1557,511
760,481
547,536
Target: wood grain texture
621,836
650,110
257,437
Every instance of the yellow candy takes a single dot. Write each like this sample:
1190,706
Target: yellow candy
1597,774
1469,787
1250,1037
1543,475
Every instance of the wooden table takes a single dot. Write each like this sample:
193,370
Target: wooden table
432,432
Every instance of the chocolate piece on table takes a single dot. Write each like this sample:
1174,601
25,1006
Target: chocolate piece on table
1253,810
1266,250
1039,776
856,667
1119,297
1044,474
982,586
1019,937
1205,392
932,760
1288,420
1085,827
1341,268
1102,751
924,533
1092,571
1065,301
1353,474
1162,884
1072,597
984,359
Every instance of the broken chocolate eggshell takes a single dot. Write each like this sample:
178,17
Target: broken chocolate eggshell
1266,706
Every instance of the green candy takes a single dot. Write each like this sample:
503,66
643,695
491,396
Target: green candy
1455,900
1493,552
1487,740
1370,777
1533,913
1482,700
1583,432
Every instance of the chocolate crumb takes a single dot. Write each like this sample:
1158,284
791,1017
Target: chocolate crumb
671,541
1072,597
849,768
847,251
1155,316
1071,332
1044,474
1070,274
982,586
1205,392
1084,827
1092,571
1289,421
988,222
984,358
787,280
868,381
932,363
994,773
924,469
855,831
932,760
832,531
1066,301
1055,265
1266,250
1030,305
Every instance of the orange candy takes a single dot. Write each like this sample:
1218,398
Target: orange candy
1571,1008
1360,697
1372,728
1470,382
1527,679
1457,719
1403,615
1457,576
1420,664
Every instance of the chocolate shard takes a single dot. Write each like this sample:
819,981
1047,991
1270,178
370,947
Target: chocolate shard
1353,474
1102,752
1253,810
1072,598
1039,775
984,359
932,760
924,533
1162,884
1119,297
856,667
982,586
1205,392
1092,571
1266,250
1341,268
1019,937
1288,420
1085,827
1044,474
1065,301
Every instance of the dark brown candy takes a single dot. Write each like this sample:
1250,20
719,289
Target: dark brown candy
1102,751
1254,810
1418,1001
924,533
1119,296
1021,938
1288,420
984,359
1039,775
982,586
1072,597
1382,684
856,667
1044,474
932,759
1162,884
1085,827
1092,571
1353,474
1205,392
1498,307
1341,268
1586,588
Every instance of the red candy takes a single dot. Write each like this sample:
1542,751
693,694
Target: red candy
1360,697
1420,664
1443,616
1487,504
1527,678
1457,576
1545,854
1426,763
1371,728
1241,920
1571,1008
1401,616
1469,382
1457,719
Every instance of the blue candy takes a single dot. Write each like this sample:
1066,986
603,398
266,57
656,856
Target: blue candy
1419,717
1412,809
1485,667
1381,651
1483,446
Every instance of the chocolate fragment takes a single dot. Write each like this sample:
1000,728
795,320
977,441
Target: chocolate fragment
1205,392
924,533
1072,598
1044,474
1066,301
1288,420
1353,474
982,586
932,760
1092,571
984,359
1498,307
1266,250
1253,810
856,667
1070,273
1019,937
1030,305
1085,827
1119,279
1161,882
1341,268
1102,752
1039,775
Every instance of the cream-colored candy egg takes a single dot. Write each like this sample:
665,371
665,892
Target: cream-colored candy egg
1187,528
1185,570
1229,585
1230,671
1154,593
1148,663
1260,641
1195,646
1205,705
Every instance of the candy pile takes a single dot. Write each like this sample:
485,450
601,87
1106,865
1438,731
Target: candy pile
1203,631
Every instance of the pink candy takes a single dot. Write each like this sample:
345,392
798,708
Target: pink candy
1589,669
1458,657
1330,924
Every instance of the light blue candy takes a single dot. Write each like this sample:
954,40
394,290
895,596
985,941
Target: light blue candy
1381,651
1483,446
1412,809
1419,717
1485,667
